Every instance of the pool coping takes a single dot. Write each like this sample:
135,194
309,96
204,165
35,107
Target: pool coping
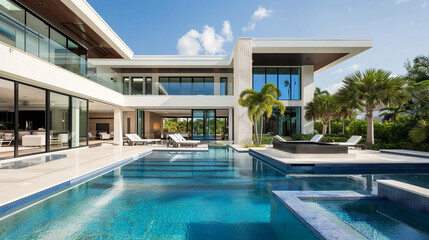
333,167
405,152
319,225
34,197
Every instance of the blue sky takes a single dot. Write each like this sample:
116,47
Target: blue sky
399,28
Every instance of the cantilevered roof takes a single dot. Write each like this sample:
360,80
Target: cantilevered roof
81,22
322,53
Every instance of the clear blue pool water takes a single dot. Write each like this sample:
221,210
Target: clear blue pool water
219,194
380,219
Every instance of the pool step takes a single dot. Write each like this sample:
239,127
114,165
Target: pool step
175,167
174,173
176,164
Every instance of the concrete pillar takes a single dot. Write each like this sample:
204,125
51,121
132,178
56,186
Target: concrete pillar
242,80
307,96
230,124
117,125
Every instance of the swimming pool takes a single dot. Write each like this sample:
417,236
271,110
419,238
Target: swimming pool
219,194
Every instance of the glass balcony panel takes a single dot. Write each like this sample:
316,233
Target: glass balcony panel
12,24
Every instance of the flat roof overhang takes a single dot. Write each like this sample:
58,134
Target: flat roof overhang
322,53
78,20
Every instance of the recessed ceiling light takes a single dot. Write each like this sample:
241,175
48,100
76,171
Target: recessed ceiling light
41,4
308,58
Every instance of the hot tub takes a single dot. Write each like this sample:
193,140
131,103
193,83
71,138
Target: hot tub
307,147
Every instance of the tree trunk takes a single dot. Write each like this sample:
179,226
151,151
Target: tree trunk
255,125
324,129
369,126
261,126
329,126
343,127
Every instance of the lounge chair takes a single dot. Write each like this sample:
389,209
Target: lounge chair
180,137
7,138
316,138
353,141
91,136
145,140
179,142
133,140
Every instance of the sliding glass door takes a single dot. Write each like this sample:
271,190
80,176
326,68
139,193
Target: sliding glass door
204,124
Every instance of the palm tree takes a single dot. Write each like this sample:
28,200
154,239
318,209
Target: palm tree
418,71
322,107
371,88
343,113
391,113
420,132
318,91
260,103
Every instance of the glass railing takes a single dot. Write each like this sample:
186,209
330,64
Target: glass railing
157,88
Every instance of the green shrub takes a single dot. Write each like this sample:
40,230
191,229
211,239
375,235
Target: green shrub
267,138
302,136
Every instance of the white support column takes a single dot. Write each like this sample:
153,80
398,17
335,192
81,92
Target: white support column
230,124
242,80
117,126
307,96
75,124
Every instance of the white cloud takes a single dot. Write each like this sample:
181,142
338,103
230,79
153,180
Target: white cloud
193,42
335,87
188,44
340,70
424,4
353,67
350,9
257,16
401,1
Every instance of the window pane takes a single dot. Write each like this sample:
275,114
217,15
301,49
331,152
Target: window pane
174,86
296,83
209,86
284,83
37,40
12,24
148,88
79,122
186,86
163,86
137,86
126,88
7,118
198,86
59,116
258,78
32,129
58,51
223,86
272,75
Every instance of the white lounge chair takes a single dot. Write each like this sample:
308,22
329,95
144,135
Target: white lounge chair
353,140
180,137
145,140
7,138
133,140
179,142
316,138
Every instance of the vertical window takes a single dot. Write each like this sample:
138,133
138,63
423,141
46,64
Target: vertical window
31,125
7,118
163,86
58,49
59,120
258,78
284,83
79,122
296,83
137,86
37,37
271,76
126,87
223,86
12,24
198,86
208,86
174,88
186,86
148,89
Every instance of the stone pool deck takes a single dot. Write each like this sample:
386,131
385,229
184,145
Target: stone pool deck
355,161
22,186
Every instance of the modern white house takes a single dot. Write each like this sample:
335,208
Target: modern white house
64,73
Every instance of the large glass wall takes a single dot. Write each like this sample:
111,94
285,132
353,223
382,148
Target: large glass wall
7,119
59,120
204,124
284,125
79,122
31,120
137,86
23,30
287,80
28,123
